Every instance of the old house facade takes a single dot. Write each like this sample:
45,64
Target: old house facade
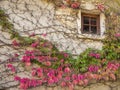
72,26
70,29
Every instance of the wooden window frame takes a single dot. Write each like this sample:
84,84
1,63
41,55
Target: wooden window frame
90,25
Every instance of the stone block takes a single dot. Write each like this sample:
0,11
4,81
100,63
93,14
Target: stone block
60,88
115,88
38,88
78,88
86,88
50,88
118,88
101,87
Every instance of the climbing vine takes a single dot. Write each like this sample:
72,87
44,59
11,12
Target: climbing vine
52,67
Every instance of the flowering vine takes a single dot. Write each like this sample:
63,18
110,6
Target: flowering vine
58,69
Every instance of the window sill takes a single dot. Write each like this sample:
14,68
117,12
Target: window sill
91,36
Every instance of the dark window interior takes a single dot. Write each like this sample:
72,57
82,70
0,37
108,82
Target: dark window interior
90,24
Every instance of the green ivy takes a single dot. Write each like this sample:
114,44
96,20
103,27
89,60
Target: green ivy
111,46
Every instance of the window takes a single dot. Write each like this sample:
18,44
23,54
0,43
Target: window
90,24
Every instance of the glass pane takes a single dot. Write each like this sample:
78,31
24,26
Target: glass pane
93,29
93,21
86,20
86,29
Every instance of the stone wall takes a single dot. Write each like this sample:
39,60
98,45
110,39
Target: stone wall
36,16
43,19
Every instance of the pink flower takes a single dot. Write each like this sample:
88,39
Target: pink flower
62,60
22,86
85,82
11,67
70,85
35,44
48,63
44,34
51,73
101,7
75,5
15,43
74,76
16,55
113,66
81,82
50,81
67,78
55,79
17,78
29,55
95,76
63,6
112,76
80,77
59,76
33,73
117,35
59,68
96,55
25,83
75,82
91,76
32,34
67,70
66,55
33,82
93,68
40,72
39,82
28,63
63,84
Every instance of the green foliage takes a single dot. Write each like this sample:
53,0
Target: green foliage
82,62
26,41
4,21
111,46
6,25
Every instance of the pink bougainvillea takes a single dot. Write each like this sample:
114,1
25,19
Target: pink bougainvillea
57,70
44,34
32,34
93,68
35,44
101,7
75,5
25,83
15,43
11,67
113,66
117,35
96,55
29,55
67,70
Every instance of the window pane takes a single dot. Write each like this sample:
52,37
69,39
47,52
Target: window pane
86,20
85,29
93,29
93,21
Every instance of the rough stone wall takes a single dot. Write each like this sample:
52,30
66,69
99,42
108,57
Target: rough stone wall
6,51
41,18
35,16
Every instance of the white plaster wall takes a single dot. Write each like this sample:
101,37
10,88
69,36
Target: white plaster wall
36,16
79,22
102,24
